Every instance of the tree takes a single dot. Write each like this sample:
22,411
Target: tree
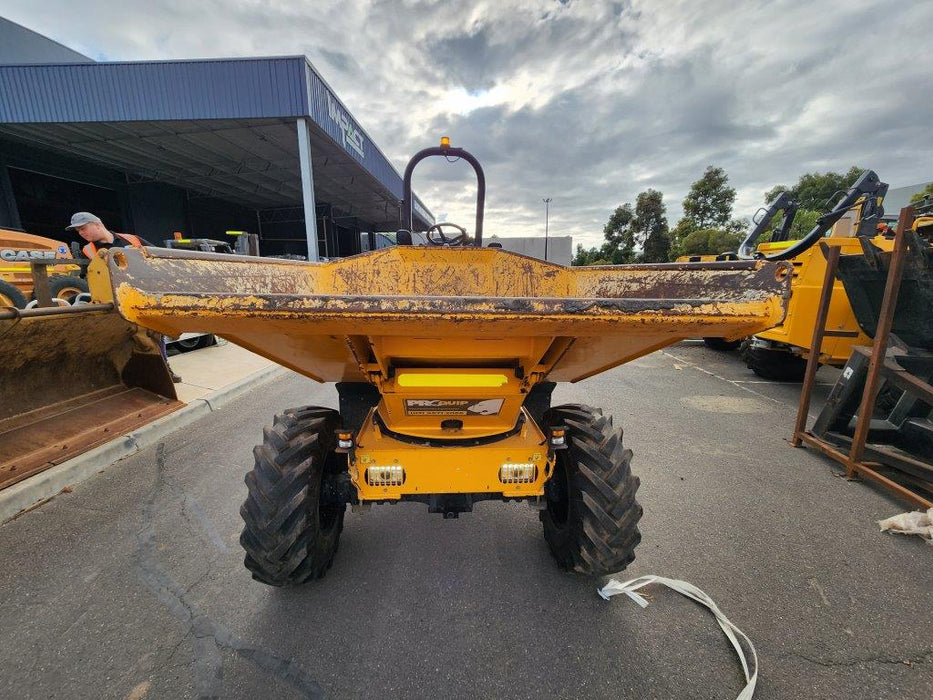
591,256
649,228
642,226
927,193
708,205
815,191
709,202
709,241
619,236
804,222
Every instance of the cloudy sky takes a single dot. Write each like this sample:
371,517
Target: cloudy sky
584,102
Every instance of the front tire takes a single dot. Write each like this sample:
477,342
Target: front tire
591,518
289,535
776,365
11,296
721,344
67,287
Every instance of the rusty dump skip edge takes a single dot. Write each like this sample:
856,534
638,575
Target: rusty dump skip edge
303,315
73,378
447,279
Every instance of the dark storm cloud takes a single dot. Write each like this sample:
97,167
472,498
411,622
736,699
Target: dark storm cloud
585,102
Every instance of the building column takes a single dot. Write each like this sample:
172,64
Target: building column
307,187
9,212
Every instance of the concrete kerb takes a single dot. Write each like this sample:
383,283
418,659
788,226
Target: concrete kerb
44,486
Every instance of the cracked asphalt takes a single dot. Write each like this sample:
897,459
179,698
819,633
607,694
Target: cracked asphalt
132,585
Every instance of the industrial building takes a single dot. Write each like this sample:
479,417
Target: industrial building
196,146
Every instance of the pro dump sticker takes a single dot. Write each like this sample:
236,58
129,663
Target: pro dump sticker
453,407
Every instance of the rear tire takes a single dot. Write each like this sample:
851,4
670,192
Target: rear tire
777,365
290,537
721,344
11,296
591,518
67,287
201,341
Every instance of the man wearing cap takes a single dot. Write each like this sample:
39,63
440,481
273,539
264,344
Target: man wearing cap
92,229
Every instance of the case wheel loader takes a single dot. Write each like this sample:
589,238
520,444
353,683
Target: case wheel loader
445,357
17,249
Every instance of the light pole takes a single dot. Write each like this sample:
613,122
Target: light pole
547,211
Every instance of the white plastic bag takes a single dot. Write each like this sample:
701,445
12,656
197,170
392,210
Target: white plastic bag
629,588
914,523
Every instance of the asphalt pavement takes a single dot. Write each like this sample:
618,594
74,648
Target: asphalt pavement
132,584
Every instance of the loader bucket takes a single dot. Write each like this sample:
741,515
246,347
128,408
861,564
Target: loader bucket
73,378
865,276
357,318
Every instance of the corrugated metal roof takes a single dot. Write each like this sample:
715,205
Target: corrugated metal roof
220,89
153,91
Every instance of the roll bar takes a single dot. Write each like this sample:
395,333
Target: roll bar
448,151
868,185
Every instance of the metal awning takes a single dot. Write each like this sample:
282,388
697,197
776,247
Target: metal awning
225,128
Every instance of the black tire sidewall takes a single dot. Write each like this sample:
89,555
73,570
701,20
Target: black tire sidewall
306,553
59,282
570,542
13,293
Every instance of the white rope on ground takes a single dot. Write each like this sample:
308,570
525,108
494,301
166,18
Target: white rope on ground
629,588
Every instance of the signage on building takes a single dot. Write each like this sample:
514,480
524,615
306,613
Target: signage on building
350,133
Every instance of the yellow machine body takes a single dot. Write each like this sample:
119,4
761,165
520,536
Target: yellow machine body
796,330
516,466
454,339
18,248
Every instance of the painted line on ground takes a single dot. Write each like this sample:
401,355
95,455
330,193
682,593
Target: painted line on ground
735,383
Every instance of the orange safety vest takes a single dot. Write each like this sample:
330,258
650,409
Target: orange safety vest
90,250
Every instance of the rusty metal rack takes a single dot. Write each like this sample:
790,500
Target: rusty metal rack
887,363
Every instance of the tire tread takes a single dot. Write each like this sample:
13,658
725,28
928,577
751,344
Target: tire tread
601,532
282,537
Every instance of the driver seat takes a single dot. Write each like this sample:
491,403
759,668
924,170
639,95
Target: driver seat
403,237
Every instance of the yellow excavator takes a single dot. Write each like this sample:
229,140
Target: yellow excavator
444,358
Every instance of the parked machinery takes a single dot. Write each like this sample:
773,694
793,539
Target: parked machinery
17,249
780,353
445,357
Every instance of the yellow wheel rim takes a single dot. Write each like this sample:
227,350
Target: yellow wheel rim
69,293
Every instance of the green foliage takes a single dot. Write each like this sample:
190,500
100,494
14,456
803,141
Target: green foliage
803,223
642,226
650,227
709,202
708,205
927,193
619,236
710,241
594,256
814,191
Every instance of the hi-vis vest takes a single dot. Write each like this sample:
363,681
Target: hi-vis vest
90,250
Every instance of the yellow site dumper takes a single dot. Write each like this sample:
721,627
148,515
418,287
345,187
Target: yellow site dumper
445,357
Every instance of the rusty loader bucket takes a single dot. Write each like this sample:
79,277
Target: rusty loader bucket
73,378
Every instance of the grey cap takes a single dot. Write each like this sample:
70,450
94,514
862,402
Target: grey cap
81,218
